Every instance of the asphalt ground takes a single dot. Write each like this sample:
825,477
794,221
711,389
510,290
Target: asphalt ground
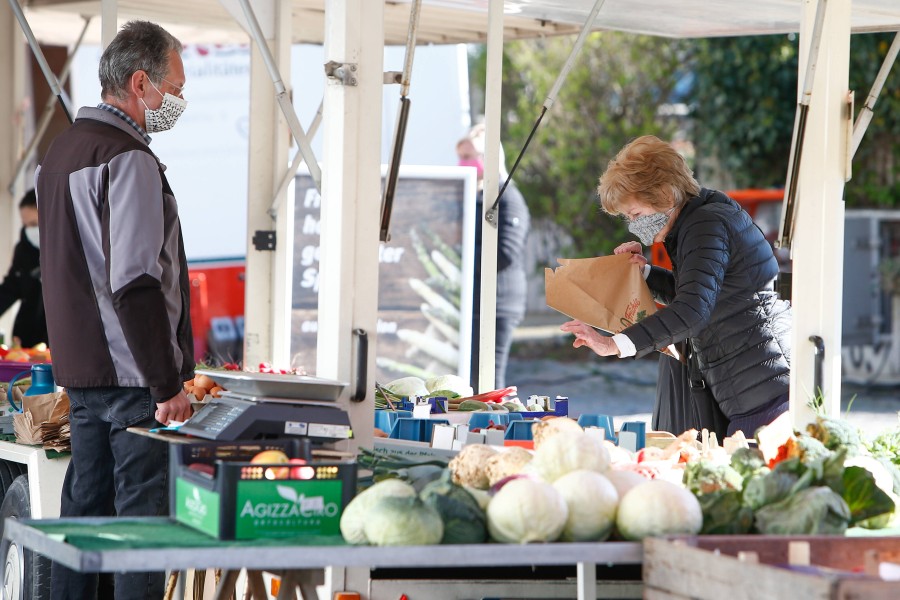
542,362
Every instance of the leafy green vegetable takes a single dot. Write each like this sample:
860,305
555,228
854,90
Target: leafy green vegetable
814,510
723,513
771,487
704,477
864,498
748,462
464,521
886,445
836,434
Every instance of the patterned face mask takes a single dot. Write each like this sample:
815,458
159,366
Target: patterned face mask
164,117
646,227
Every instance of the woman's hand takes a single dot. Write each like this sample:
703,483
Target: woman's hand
585,335
636,251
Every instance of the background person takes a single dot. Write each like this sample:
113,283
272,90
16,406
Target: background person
719,296
23,280
117,292
514,221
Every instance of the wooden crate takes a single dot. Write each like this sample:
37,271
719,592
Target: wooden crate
753,568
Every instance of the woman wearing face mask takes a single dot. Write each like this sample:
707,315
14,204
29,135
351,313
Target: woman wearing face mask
23,281
720,298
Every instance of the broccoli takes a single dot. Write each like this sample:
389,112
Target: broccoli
835,434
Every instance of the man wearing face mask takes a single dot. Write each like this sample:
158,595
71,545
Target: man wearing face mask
719,297
117,292
513,224
23,281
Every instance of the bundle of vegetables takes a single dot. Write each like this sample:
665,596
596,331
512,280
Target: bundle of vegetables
391,394
419,505
809,487
566,491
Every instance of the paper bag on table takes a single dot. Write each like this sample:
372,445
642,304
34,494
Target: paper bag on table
47,410
606,292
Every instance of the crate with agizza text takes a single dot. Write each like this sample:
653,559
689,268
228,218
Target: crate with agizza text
216,489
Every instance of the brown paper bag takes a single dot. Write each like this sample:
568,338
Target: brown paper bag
607,292
38,410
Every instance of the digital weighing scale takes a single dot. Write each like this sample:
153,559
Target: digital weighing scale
267,406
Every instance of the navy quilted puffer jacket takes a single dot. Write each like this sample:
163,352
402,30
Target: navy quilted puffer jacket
720,292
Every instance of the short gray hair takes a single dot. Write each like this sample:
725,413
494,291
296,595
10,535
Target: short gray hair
139,46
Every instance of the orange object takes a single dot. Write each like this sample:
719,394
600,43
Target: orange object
347,596
750,200
527,444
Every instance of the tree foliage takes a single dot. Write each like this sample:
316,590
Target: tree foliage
744,100
611,96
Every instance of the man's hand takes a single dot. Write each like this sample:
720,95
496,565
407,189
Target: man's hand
176,408
585,335
636,251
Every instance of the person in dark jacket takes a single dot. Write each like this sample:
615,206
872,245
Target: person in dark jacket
23,281
117,292
514,221
720,297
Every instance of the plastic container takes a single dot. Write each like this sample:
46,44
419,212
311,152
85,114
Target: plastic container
604,422
385,419
520,430
480,420
438,405
640,430
416,430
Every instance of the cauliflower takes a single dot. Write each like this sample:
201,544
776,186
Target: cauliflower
836,433
469,466
544,430
407,386
506,463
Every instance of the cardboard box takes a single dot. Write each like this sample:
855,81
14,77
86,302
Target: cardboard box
214,488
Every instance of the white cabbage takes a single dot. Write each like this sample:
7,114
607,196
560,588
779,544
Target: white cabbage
394,521
408,386
592,502
526,510
353,519
449,383
658,507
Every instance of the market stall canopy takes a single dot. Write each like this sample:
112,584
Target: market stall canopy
461,21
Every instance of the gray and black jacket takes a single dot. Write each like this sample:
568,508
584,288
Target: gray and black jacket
116,287
721,294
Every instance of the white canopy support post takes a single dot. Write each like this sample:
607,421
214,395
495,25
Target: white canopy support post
351,184
291,173
281,93
548,102
799,132
109,26
492,92
818,237
47,115
52,81
867,111
267,299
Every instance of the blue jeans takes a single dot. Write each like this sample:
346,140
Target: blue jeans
112,473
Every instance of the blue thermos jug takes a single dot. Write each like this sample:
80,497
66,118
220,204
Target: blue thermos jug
41,382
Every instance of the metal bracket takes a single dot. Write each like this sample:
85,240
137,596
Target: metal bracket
264,240
343,72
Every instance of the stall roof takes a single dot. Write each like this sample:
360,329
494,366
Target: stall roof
455,21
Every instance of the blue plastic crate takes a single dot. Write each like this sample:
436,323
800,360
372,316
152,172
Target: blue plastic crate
479,420
604,422
385,419
438,405
520,430
416,430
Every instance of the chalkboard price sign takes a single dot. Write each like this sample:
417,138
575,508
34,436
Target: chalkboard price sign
425,275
